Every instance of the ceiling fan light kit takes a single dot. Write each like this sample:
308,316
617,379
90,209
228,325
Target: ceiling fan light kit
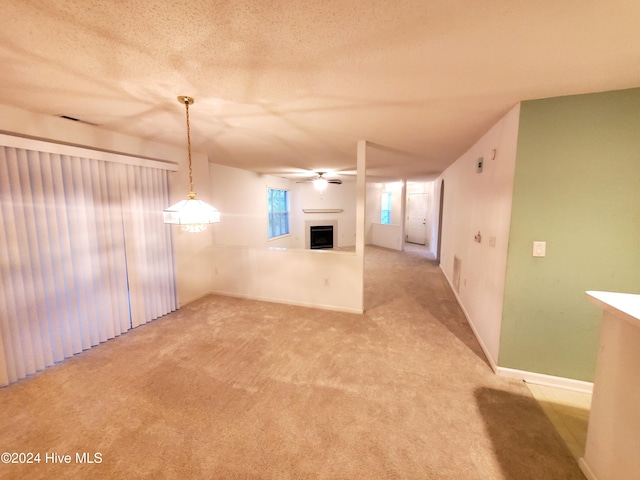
320,183
192,215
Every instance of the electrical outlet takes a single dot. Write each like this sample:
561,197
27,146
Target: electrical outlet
539,249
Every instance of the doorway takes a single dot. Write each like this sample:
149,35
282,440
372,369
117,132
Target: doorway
417,218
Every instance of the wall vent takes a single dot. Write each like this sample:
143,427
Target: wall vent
457,266
68,117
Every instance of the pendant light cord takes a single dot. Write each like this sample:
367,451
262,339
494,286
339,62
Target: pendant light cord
186,104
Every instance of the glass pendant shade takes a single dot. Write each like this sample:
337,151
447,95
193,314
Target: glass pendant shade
320,183
192,214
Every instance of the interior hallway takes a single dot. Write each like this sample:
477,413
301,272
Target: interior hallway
233,388
567,410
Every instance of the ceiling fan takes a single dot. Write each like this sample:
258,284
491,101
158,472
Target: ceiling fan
320,182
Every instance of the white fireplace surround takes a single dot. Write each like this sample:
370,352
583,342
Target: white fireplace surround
319,223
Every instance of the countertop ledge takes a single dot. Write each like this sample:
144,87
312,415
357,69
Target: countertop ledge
627,304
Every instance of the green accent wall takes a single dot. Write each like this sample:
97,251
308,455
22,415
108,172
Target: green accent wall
577,187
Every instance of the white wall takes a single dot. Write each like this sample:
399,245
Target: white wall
388,236
244,264
241,197
372,210
397,198
313,278
480,202
192,276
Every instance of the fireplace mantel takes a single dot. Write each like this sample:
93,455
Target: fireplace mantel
322,210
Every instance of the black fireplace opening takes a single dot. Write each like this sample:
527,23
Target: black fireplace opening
321,236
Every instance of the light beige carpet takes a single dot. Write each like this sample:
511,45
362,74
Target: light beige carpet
228,388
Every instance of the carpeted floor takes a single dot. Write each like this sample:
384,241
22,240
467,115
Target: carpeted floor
228,388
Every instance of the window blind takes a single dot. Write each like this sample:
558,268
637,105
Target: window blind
84,255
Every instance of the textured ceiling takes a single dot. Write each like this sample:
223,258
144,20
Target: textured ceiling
287,85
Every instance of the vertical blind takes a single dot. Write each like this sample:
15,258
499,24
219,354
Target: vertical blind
84,255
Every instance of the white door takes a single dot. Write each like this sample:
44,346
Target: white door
417,218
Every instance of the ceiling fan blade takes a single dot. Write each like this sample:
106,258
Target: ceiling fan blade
319,175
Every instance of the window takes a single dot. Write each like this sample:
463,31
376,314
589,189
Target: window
385,208
278,206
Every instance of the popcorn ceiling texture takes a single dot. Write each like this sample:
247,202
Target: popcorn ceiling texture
295,84
231,388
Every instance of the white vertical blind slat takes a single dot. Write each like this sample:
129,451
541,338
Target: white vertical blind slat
48,252
7,374
55,253
152,245
144,263
32,274
155,196
106,330
113,261
62,185
21,266
74,194
99,282
120,319
138,267
127,190
167,248
152,292
90,213
38,250
8,310
167,273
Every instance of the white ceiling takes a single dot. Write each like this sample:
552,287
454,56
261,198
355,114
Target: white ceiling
287,85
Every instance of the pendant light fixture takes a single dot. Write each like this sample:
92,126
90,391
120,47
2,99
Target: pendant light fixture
192,214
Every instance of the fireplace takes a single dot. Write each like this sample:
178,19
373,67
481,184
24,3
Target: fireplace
321,236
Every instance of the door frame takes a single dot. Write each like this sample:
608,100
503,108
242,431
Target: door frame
440,215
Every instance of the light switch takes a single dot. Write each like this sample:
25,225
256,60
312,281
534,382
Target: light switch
539,249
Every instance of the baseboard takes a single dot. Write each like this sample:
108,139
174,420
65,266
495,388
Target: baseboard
484,348
586,470
288,302
192,299
530,377
546,380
